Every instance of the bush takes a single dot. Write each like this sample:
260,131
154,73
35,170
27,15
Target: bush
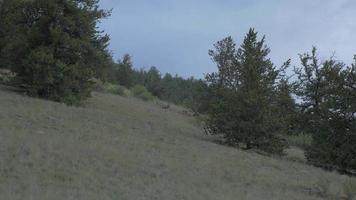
138,89
141,92
100,86
116,89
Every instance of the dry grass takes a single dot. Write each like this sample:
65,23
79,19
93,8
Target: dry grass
349,192
123,148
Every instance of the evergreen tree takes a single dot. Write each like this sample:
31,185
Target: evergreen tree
124,72
285,108
225,58
190,92
242,95
54,47
153,80
328,109
139,77
169,87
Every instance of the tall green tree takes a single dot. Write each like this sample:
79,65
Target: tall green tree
242,94
327,89
224,56
153,80
124,71
54,46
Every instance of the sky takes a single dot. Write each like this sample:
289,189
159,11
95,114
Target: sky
175,35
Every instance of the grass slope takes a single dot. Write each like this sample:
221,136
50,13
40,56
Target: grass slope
121,148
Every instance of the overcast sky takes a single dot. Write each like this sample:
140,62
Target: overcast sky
175,35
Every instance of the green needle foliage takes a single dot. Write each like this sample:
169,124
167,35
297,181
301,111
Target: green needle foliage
243,92
328,91
124,72
53,46
285,109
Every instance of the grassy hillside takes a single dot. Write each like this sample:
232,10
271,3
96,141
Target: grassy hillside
122,148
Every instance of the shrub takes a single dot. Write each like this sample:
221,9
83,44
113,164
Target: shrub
98,85
141,92
138,89
115,89
146,96
106,87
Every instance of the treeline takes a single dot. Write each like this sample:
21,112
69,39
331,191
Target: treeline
251,102
189,92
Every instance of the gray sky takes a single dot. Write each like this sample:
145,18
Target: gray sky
175,35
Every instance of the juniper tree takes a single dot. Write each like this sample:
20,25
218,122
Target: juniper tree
241,107
54,47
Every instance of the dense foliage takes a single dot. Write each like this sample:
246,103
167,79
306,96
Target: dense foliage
243,90
286,112
190,92
124,71
53,46
328,91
